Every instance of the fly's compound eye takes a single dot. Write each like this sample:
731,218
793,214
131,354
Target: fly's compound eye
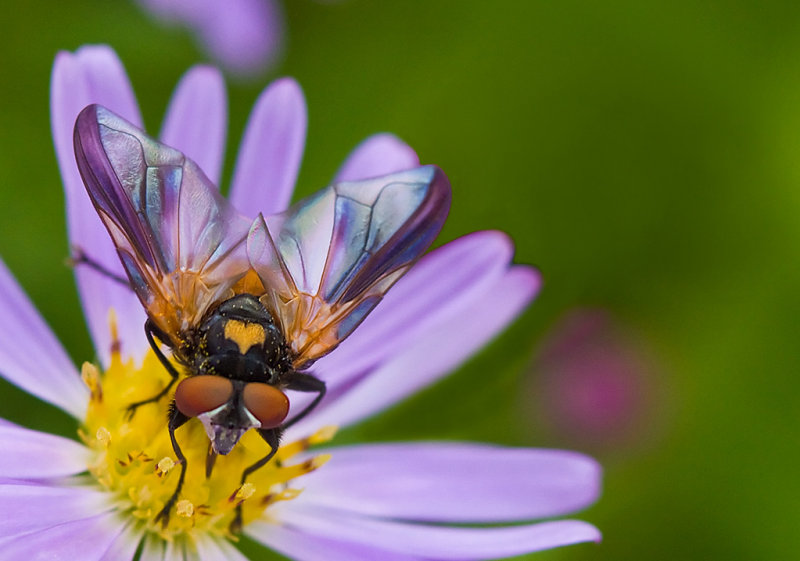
267,403
201,394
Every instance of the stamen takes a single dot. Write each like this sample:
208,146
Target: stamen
288,494
318,461
116,346
103,436
91,377
324,434
245,491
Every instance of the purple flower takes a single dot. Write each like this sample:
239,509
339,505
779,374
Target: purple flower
244,36
379,501
595,382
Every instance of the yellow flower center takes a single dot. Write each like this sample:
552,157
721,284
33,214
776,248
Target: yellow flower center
135,461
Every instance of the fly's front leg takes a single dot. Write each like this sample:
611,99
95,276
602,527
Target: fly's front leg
273,438
150,330
176,420
301,382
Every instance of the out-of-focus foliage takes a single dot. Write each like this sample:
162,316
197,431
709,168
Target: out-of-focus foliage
644,155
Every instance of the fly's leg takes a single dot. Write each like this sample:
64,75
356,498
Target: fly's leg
80,258
272,437
150,329
300,382
176,420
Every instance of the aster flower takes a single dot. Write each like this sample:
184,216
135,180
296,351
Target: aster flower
596,383
244,36
406,501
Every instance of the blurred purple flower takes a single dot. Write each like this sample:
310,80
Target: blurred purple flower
394,502
244,36
594,381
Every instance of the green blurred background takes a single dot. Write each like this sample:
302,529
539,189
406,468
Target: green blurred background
643,155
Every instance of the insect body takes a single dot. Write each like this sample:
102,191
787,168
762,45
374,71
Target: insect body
247,306
240,360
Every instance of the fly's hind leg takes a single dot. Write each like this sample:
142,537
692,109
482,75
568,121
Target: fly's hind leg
150,330
80,258
273,438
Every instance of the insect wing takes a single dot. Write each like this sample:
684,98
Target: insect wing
180,242
328,260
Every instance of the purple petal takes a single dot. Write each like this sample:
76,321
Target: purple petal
33,454
197,119
303,546
271,150
380,154
87,539
437,542
153,549
434,353
30,355
94,74
204,548
39,507
210,549
124,547
245,36
174,551
443,282
454,482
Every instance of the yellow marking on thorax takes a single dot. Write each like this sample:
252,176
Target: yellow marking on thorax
245,335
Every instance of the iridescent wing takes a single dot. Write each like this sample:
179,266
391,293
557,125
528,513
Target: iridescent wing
328,260
180,242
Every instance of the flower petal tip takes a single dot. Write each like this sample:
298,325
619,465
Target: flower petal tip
285,91
379,154
528,279
204,72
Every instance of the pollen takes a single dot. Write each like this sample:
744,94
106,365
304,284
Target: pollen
184,508
165,465
103,436
133,458
245,491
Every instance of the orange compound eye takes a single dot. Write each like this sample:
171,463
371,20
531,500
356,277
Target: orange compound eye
201,394
267,403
